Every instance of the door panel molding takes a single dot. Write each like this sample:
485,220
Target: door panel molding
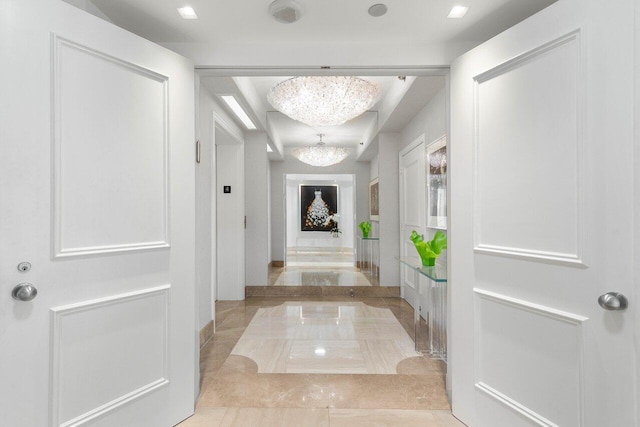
514,329
514,405
554,231
137,336
82,223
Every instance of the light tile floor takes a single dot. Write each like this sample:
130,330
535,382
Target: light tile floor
320,417
321,276
320,257
234,393
315,276
325,338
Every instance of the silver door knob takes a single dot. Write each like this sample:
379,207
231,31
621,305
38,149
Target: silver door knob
613,301
24,292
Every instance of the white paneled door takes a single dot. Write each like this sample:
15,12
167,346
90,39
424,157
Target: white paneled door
96,213
412,205
542,221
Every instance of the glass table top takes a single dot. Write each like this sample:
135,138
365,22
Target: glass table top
437,273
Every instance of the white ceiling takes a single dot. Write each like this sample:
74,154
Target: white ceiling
415,31
407,21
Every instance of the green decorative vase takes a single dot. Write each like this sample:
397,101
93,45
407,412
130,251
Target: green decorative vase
430,250
365,227
428,262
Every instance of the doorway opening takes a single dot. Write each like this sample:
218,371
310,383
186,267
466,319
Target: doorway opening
319,225
412,103
319,218
310,259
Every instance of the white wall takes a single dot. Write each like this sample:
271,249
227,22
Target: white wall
230,221
269,232
292,166
637,187
205,268
204,265
256,198
373,173
374,167
346,201
389,200
87,6
430,121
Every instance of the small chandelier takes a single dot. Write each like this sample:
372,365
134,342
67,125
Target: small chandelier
323,100
320,154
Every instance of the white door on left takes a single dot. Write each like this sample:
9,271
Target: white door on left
97,194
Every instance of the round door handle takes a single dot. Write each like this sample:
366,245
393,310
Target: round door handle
613,301
24,292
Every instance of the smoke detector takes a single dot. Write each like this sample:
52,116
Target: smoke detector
285,11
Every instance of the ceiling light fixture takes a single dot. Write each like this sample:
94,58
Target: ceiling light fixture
187,12
320,154
232,102
285,11
378,10
323,100
458,12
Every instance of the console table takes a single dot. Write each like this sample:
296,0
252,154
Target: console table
436,310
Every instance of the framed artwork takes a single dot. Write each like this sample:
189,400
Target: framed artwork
317,204
374,201
436,163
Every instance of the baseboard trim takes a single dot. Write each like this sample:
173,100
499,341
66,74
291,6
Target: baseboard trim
206,333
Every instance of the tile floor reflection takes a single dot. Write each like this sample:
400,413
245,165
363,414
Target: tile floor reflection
325,337
235,393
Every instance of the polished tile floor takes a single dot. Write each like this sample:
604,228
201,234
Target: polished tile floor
318,276
325,338
321,266
320,257
237,390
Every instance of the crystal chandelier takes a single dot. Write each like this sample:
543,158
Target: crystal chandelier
320,154
323,100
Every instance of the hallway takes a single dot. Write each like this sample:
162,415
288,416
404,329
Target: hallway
294,378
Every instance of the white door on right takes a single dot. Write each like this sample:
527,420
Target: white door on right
542,196
413,214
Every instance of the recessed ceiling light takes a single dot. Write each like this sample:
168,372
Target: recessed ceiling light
458,12
238,111
269,149
378,10
187,12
